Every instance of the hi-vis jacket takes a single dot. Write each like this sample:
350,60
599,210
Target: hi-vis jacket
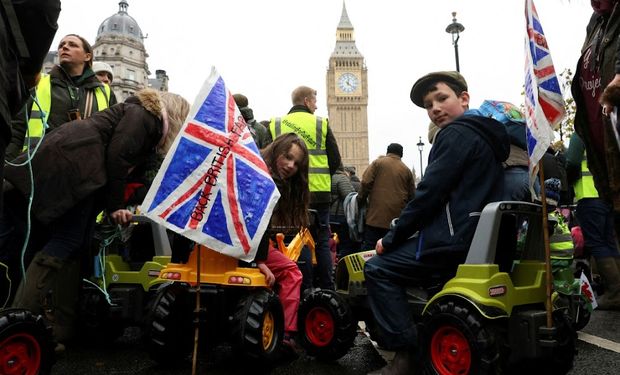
58,94
584,187
40,112
322,148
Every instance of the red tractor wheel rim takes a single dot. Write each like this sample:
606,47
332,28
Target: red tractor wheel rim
319,327
20,354
450,352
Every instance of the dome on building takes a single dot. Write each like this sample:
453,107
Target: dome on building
121,24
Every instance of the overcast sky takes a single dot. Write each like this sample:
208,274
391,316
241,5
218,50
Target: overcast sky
266,48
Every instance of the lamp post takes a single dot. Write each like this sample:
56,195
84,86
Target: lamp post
455,28
420,148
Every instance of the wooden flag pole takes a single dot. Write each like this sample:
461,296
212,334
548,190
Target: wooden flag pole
198,250
548,275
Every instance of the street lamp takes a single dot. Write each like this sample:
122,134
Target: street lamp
420,148
455,28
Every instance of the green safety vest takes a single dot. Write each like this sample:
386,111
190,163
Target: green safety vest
584,187
44,97
313,130
561,241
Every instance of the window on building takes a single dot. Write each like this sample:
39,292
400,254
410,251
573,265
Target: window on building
131,74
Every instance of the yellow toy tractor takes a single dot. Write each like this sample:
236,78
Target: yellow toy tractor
230,301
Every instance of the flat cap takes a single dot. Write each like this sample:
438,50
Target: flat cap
421,86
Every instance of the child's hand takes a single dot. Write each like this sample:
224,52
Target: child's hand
269,278
121,217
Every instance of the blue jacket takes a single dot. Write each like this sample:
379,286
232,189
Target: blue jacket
464,173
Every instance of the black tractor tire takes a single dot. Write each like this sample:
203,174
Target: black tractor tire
456,339
95,326
327,328
583,314
258,327
169,325
26,343
561,358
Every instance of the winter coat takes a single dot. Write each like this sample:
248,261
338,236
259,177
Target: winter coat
341,187
388,185
14,68
83,156
605,168
61,103
464,173
260,134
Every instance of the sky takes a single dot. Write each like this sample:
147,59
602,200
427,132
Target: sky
264,49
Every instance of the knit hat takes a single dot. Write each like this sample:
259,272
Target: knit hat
421,86
99,66
552,190
241,100
395,148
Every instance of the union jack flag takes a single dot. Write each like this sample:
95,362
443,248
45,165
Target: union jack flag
544,102
213,186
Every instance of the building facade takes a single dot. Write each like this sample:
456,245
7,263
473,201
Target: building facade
120,44
347,97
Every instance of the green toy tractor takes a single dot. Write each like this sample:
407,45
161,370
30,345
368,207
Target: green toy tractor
122,287
489,317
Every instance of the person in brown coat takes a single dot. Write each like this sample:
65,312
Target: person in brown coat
79,169
387,186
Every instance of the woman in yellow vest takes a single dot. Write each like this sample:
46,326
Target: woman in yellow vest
71,91
596,219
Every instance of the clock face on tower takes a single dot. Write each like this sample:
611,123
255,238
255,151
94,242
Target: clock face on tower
348,82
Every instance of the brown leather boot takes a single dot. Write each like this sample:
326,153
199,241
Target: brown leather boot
608,269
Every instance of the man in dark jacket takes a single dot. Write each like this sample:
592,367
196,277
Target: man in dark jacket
464,173
259,132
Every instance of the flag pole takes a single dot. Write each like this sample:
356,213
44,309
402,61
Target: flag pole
548,275
198,250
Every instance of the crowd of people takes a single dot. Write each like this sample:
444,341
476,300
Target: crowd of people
83,149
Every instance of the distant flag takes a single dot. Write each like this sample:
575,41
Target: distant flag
213,186
544,103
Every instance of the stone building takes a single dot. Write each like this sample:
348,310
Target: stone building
120,43
347,97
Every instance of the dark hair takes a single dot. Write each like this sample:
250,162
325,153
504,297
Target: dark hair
87,48
395,148
292,208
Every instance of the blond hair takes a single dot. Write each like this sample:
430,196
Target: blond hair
301,93
177,109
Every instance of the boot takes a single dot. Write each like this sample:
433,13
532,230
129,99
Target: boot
608,269
402,364
51,289
34,291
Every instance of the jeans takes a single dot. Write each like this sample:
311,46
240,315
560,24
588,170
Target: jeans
387,277
371,236
596,218
325,263
516,184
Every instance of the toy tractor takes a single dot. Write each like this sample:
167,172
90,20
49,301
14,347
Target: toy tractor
118,293
489,317
26,344
235,306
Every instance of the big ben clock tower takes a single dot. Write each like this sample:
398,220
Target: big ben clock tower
347,97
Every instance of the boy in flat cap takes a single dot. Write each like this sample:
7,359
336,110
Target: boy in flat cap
464,173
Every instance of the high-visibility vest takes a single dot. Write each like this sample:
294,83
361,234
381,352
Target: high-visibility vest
584,187
313,130
44,97
561,241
